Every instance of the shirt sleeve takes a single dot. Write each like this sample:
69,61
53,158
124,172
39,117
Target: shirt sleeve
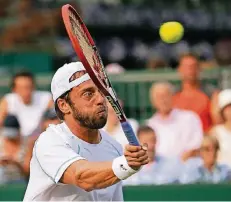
11,103
195,132
118,195
54,157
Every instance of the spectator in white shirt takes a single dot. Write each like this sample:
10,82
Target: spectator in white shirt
160,170
223,131
114,128
179,132
27,104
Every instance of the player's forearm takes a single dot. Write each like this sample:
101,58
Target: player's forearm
94,175
90,175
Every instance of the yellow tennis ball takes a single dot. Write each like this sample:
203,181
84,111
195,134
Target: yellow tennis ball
171,32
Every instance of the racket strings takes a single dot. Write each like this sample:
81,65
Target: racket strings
88,50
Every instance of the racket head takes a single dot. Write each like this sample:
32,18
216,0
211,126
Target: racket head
85,48
88,54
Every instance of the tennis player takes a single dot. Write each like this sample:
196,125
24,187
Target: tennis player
74,160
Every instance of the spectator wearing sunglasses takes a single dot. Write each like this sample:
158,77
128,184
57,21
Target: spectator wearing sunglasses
206,169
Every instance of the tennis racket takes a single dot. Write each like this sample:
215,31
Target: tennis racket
88,54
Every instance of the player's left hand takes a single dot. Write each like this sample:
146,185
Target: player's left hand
136,156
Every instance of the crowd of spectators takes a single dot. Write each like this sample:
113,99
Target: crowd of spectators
130,39
189,135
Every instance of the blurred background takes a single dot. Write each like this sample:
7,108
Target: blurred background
176,96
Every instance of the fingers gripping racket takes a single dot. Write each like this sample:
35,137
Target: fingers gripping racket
87,52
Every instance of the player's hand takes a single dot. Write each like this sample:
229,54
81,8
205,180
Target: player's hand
136,156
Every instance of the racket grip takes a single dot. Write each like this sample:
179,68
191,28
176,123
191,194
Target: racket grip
128,131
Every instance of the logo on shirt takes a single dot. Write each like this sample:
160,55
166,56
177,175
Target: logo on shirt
123,168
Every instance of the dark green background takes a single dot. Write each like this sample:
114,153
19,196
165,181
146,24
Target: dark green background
220,192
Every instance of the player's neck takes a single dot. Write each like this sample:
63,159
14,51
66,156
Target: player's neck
91,136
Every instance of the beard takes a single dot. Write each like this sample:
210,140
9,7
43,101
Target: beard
91,121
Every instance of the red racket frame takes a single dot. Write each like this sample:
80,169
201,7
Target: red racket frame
78,50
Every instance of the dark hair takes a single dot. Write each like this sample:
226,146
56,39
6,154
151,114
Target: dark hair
22,74
66,97
144,129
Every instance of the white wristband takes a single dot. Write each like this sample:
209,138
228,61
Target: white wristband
121,168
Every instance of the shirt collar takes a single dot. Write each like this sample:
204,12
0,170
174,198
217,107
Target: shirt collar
170,117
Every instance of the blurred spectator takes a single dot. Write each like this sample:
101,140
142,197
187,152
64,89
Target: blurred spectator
223,52
27,104
14,155
114,68
114,128
179,132
49,117
192,95
156,63
223,131
160,170
207,169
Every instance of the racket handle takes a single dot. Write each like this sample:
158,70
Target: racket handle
128,131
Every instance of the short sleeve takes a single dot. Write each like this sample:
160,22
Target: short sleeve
11,100
54,157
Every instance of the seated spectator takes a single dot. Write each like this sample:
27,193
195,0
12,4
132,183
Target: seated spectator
160,170
223,131
14,155
27,104
114,69
192,89
156,63
114,128
179,132
49,117
206,169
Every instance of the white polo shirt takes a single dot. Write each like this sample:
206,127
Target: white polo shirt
180,132
55,150
29,116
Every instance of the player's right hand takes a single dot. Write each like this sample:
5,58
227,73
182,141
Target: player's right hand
136,156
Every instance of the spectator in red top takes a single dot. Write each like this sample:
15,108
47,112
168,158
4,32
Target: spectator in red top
194,96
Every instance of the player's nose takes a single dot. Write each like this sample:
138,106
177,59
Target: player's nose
100,98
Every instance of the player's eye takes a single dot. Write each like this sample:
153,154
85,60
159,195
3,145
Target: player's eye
88,94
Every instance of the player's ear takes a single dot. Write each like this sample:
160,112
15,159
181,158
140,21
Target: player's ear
63,106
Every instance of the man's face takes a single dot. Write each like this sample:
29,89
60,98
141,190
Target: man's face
24,87
88,106
162,99
189,69
208,153
150,139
